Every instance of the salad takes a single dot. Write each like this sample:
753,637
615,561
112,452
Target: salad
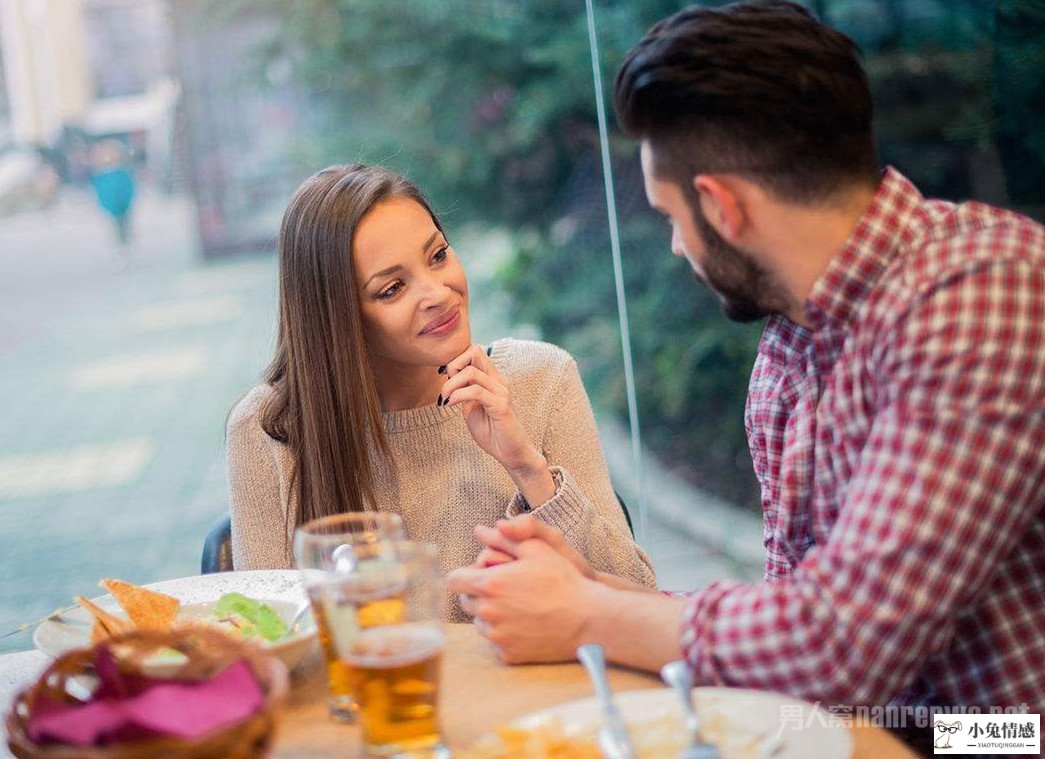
247,618
239,615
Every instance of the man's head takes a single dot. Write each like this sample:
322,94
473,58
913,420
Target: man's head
755,96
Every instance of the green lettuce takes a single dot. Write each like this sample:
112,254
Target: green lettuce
261,619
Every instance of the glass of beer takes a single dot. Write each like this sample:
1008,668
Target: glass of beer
326,548
379,607
394,650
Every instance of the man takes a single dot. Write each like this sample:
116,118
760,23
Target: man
896,411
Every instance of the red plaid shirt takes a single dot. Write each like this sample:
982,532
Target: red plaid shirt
900,445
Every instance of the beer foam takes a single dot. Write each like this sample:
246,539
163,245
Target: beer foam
394,645
358,589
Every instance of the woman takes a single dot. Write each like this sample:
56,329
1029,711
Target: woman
377,399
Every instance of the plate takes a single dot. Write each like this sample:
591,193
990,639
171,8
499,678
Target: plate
280,588
744,719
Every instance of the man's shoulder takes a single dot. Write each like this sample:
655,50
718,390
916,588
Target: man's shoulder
949,240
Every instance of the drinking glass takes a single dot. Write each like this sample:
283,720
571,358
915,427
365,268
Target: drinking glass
322,548
379,606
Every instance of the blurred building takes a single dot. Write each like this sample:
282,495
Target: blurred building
137,95
129,44
244,122
47,81
77,71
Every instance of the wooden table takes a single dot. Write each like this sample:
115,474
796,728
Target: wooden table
477,693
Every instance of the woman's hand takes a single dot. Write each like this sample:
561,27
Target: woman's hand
501,543
533,609
474,382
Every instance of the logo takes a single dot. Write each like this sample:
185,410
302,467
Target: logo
944,733
988,734
980,730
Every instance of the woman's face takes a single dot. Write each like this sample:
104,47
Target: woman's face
413,291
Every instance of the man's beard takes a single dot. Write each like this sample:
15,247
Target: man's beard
745,289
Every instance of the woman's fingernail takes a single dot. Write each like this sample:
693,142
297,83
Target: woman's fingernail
439,401
489,350
442,369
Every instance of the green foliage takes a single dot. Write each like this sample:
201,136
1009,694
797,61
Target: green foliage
1019,92
486,105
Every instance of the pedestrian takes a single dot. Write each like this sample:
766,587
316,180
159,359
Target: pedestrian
112,177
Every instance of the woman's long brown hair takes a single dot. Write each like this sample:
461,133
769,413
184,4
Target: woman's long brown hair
324,404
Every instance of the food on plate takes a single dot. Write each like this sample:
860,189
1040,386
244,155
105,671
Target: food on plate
234,613
147,609
661,737
248,618
547,740
105,624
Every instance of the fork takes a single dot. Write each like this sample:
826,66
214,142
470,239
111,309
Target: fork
614,741
677,675
54,616
299,617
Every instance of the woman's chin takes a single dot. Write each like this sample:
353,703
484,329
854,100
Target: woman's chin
455,346
461,345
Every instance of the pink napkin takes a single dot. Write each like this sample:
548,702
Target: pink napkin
132,707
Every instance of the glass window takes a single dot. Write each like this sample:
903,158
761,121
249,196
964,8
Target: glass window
125,344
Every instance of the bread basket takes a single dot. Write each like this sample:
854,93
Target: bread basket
206,652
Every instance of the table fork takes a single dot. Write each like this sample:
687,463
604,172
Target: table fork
614,741
54,616
677,675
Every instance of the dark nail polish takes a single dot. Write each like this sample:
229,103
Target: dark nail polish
442,369
489,350
439,401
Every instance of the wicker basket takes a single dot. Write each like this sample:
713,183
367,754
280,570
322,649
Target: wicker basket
207,652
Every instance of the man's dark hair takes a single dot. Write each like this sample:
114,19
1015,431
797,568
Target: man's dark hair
760,89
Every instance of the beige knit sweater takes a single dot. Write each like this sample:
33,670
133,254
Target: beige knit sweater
443,484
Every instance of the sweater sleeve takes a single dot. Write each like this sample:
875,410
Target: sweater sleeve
584,507
259,536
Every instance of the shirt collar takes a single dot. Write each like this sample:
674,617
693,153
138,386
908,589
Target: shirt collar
874,243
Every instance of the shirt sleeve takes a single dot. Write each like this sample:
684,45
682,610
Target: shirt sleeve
950,478
585,507
767,383
259,535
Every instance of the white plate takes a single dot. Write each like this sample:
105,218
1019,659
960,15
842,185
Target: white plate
803,730
281,586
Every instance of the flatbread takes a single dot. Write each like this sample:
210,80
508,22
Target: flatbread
98,632
147,609
105,624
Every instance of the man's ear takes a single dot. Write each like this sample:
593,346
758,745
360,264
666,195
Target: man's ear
722,205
